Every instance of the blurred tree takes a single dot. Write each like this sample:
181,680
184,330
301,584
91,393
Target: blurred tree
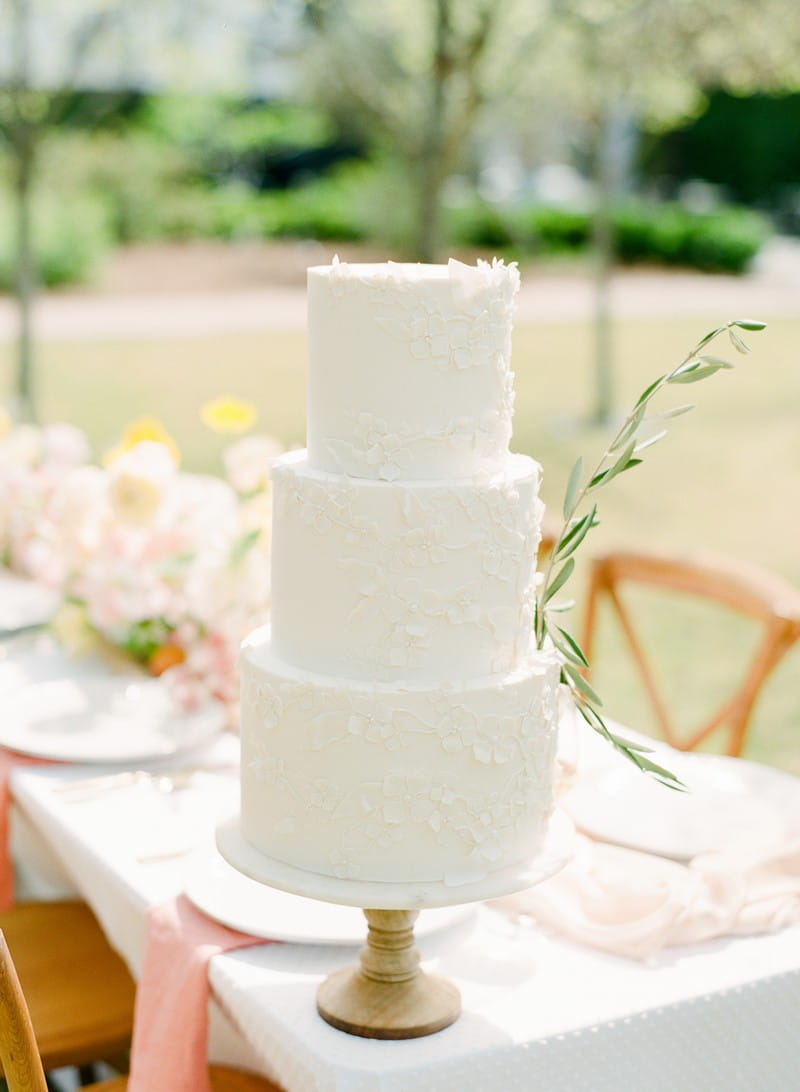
52,51
27,114
416,74
652,62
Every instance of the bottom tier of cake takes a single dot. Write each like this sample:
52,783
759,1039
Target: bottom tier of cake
379,782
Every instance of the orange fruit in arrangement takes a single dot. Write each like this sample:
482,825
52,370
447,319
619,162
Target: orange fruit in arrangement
165,657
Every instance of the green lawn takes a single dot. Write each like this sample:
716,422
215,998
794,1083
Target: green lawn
726,478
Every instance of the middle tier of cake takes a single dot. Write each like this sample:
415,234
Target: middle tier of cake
385,581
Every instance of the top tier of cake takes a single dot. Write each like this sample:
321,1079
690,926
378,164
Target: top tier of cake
427,348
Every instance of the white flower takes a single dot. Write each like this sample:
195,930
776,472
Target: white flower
376,725
416,799
388,451
406,641
22,446
72,630
497,741
267,704
504,564
458,729
422,546
324,795
64,445
137,482
134,497
340,276
247,462
464,606
343,864
268,770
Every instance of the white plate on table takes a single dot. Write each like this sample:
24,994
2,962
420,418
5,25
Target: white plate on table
23,602
230,897
80,710
731,803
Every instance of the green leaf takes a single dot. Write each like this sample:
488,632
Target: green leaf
582,685
687,366
737,342
559,580
242,545
694,375
667,779
576,534
562,647
634,752
643,397
573,485
624,462
630,428
710,337
575,648
718,360
633,745
644,444
593,718
677,411
619,464
749,324
560,608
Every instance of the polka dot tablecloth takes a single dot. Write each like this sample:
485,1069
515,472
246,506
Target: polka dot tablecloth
539,1013
566,1020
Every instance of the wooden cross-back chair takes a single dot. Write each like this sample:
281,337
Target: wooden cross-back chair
80,993
767,599
22,1062
550,530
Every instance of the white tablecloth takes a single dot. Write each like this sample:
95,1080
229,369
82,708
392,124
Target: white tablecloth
538,1012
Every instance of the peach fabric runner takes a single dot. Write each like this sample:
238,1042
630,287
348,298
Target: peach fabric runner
634,904
170,1028
8,760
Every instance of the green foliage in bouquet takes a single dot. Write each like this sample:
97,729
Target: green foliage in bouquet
623,453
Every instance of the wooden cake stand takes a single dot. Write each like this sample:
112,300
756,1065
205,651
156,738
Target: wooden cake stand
386,995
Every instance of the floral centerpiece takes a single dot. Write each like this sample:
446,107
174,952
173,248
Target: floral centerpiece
171,568
34,462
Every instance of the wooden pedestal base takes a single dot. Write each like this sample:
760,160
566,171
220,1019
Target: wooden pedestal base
387,996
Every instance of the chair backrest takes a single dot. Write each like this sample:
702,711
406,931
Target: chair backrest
767,599
19,1053
550,529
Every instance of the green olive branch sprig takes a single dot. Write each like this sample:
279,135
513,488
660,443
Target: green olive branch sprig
622,454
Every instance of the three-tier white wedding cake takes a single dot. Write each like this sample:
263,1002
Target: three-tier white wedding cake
398,723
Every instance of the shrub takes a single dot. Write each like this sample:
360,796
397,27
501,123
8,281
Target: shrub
479,224
722,241
71,237
554,229
725,240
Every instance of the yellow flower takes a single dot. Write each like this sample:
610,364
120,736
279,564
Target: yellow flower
71,627
143,429
5,422
138,481
135,499
228,414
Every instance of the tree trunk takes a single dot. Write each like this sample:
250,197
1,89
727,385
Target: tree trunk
603,262
430,174
26,276
23,143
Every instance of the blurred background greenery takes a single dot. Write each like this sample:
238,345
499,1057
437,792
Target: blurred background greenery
576,138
